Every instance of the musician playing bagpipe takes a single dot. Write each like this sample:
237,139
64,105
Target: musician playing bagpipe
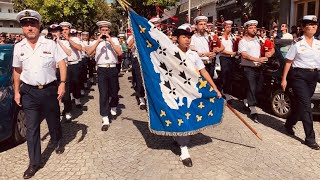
205,45
251,60
228,40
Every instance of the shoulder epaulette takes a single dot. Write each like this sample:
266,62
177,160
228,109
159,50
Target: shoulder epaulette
297,40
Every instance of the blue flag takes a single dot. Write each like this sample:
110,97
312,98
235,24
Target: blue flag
180,101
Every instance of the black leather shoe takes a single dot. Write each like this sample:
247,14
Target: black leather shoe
79,106
187,162
254,118
314,146
289,130
31,171
59,149
105,127
143,107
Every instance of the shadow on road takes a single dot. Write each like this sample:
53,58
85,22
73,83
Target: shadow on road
69,133
276,124
154,141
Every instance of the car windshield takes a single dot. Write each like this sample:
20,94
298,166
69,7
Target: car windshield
5,64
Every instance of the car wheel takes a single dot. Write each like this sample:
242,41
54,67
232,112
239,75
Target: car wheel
20,129
281,104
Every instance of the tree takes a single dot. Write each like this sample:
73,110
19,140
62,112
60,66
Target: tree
82,14
147,8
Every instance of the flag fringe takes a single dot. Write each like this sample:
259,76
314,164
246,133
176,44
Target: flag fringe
188,133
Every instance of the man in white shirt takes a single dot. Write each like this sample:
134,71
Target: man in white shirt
73,63
36,87
226,59
107,50
55,31
200,42
86,42
249,48
136,74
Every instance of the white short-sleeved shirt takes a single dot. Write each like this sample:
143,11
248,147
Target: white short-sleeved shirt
86,44
228,44
38,64
105,53
252,48
134,50
67,45
287,36
195,58
75,54
304,56
200,44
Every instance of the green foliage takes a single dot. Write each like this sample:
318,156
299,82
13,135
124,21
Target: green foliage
82,14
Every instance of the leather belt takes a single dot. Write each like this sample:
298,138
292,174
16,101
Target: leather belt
41,86
307,69
107,65
73,62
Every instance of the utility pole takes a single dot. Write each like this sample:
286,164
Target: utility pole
189,11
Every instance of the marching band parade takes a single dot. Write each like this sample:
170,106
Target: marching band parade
181,76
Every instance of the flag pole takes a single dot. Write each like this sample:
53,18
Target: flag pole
244,122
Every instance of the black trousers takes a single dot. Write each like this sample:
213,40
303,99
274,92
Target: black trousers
108,85
210,67
303,84
74,73
91,67
139,89
84,70
226,73
38,104
66,100
254,79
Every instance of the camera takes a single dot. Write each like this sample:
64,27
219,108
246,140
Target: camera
104,37
49,36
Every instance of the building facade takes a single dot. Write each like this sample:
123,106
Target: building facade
198,7
8,22
299,8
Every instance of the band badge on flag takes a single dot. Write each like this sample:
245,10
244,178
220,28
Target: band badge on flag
180,101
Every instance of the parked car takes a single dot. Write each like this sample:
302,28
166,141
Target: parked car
12,119
271,95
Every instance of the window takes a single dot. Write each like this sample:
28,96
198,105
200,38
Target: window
1,24
311,8
0,9
11,25
300,9
9,11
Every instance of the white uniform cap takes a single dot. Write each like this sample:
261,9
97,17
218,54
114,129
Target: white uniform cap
200,18
104,23
66,24
154,20
228,22
85,33
73,31
28,14
79,31
250,22
312,18
186,27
